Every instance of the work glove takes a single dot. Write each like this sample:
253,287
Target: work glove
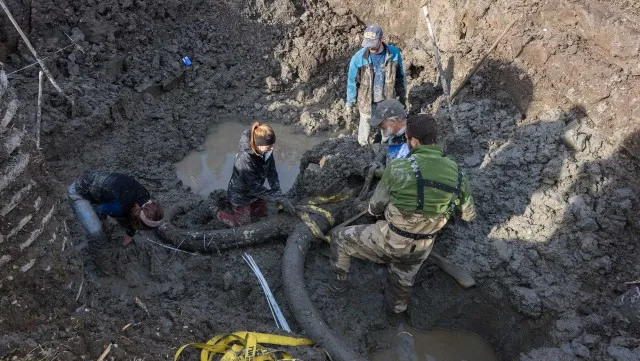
376,167
287,206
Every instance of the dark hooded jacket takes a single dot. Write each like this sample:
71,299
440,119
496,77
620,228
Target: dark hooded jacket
102,188
249,174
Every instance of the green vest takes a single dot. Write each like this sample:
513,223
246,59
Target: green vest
436,169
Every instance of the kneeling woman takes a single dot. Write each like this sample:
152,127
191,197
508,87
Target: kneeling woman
253,166
100,193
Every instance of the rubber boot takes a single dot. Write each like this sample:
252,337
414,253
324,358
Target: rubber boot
228,219
100,255
395,318
396,294
97,241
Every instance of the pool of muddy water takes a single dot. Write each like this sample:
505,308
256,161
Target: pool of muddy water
436,345
210,169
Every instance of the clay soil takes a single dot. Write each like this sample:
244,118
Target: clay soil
547,131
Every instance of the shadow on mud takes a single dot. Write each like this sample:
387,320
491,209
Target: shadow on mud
504,82
507,162
510,161
555,226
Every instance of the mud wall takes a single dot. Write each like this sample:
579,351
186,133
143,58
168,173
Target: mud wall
577,53
33,236
9,38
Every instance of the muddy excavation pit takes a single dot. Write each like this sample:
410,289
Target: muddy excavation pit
546,131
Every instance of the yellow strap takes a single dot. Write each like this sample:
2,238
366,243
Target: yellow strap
250,348
313,227
311,206
329,199
319,211
249,341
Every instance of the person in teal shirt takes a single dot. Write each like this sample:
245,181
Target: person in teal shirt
375,74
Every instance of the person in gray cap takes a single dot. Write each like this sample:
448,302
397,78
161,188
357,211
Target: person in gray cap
391,117
375,74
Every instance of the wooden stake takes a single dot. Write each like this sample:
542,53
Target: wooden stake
39,113
350,220
80,289
443,78
141,305
33,50
45,58
479,63
104,354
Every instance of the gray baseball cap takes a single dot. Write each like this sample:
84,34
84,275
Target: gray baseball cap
372,35
387,109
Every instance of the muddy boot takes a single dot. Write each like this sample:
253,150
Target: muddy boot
228,219
337,284
395,318
100,255
396,295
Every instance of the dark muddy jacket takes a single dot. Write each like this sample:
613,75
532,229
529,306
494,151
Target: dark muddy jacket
104,188
249,174
360,78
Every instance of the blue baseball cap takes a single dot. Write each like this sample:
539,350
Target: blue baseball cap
372,35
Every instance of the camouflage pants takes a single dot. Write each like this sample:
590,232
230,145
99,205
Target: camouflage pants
403,256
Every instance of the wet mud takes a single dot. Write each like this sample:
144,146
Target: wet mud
544,131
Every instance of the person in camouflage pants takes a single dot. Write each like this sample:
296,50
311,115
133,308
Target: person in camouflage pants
417,195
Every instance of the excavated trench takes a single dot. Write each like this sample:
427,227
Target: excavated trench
484,310
553,245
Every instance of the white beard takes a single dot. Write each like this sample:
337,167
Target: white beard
387,132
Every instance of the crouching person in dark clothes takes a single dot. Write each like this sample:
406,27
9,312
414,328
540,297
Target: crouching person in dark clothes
417,195
98,194
253,166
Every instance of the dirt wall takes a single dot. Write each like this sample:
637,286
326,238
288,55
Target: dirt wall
577,53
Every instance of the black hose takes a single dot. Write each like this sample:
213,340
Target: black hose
301,306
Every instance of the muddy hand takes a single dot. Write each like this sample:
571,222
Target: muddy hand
367,182
287,206
127,241
362,206
349,113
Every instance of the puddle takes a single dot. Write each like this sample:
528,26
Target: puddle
211,169
437,345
